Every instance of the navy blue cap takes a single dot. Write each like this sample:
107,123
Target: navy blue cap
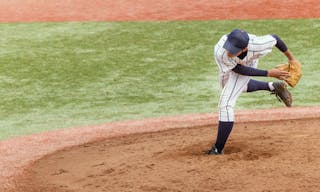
236,41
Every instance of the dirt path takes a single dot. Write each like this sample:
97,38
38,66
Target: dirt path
16,157
247,149
132,10
264,156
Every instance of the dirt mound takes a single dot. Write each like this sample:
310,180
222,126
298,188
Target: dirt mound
269,156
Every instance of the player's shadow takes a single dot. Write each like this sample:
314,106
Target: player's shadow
233,149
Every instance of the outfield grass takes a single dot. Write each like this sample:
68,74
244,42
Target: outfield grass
58,75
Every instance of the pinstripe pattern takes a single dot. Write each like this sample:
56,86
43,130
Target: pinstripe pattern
230,95
234,84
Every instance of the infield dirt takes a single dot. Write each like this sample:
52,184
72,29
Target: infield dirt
265,156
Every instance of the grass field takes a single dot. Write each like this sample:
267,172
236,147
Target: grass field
58,75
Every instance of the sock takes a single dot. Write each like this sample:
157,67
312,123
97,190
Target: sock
255,85
224,130
271,86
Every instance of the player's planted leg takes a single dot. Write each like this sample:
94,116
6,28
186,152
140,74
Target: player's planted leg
224,130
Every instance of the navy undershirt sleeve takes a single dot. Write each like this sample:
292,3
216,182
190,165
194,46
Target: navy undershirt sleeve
280,44
249,71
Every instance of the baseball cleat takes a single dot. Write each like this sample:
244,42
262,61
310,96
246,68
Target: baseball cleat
282,93
214,151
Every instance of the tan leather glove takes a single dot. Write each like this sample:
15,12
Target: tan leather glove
294,68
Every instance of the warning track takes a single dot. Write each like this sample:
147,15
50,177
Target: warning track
153,10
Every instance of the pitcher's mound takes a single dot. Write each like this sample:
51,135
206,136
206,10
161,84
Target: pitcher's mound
278,156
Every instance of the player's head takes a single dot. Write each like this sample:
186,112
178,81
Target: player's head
237,41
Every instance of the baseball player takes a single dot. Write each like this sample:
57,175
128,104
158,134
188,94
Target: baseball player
237,55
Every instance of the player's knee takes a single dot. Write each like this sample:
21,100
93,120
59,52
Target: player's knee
226,113
225,108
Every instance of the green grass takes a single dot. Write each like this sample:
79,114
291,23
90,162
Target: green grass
58,75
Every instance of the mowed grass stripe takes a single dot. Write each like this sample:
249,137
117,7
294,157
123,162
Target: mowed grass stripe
58,75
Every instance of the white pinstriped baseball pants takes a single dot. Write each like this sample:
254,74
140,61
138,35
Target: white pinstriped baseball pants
233,85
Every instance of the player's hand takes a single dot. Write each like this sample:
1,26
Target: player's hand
279,74
292,59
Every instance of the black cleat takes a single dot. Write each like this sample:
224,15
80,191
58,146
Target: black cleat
282,93
214,151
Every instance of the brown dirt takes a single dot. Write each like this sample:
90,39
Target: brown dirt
132,10
265,156
19,154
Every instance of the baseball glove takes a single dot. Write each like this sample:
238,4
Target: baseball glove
294,68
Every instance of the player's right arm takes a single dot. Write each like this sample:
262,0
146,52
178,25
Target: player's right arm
264,45
250,71
279,74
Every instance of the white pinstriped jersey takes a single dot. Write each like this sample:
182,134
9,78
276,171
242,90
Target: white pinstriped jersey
258,47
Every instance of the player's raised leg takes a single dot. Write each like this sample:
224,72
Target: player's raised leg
278,88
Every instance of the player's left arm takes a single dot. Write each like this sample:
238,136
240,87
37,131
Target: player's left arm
283,47
293,66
